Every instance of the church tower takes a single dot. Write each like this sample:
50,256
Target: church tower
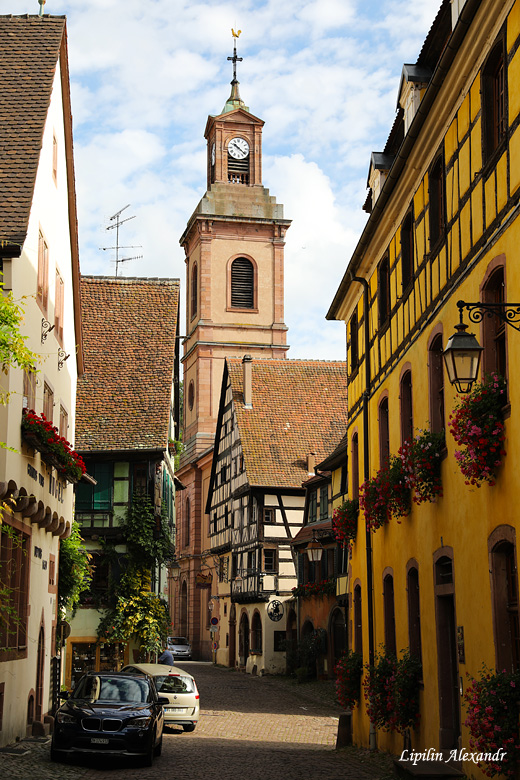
234,252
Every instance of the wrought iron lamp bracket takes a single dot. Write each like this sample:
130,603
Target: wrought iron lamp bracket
507,312
46,329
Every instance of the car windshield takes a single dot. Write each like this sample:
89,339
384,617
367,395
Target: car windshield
174,683
179,640
113,689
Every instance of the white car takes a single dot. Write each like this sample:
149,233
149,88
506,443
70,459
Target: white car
180,647
178,687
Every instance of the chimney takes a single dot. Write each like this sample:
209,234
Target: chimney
247,364
311,462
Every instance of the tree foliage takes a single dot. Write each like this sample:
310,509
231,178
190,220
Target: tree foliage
75,572
13,349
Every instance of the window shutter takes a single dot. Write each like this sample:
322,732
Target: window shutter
242,283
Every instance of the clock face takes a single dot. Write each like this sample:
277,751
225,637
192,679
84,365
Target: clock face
213,154
238,148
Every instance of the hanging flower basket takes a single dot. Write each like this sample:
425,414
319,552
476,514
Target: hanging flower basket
421,458
386,495
323,588
477,425
344,521
55,450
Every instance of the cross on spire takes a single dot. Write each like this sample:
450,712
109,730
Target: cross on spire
234,59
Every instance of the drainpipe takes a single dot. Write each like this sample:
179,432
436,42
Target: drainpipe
366,474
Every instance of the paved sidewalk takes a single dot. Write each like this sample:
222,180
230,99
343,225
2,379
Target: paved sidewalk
250,727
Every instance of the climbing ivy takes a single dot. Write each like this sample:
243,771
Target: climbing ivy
75,572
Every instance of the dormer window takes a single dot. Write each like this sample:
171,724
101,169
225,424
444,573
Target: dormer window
380,165
414,80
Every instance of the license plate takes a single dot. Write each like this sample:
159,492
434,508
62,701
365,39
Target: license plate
175,711
98,741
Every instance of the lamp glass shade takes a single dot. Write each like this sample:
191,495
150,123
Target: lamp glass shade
462,359
314,551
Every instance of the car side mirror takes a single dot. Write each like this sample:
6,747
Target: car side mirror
64,695
163,700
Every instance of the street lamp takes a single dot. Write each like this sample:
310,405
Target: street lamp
462,353
314,550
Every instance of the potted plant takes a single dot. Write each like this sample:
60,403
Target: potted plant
349,671
493,704
477,426
386,495
421,458
41,434
344,521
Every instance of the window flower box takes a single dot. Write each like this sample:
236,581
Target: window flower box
55,450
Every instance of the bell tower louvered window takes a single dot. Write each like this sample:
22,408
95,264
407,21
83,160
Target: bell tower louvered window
242,284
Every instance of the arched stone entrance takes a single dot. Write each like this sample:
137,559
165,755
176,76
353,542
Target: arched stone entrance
243,639
232,635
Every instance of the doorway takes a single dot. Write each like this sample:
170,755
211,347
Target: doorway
447,654
243,639
38,709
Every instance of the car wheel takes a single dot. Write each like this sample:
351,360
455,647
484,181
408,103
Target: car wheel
55,755
158,748
189,728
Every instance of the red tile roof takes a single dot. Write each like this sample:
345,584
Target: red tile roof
299,407
29,51
129,329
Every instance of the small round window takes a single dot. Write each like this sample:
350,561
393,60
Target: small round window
191,395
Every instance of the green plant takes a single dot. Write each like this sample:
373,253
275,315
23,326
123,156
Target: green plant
74,571
421,458
134,611
344,521
493,705
386,495
310,647
348,671
477,425
392,692
13,350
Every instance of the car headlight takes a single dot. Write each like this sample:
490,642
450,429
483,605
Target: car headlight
139,723
63,717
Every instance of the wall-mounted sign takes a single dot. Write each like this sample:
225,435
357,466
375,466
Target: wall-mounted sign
275,610
214,621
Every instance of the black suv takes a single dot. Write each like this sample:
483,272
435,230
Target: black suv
111,714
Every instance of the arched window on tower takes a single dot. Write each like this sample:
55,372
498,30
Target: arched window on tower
194,291
242,284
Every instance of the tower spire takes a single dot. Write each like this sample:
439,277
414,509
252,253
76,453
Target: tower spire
234,100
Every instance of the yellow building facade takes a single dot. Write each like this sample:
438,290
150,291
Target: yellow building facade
443,203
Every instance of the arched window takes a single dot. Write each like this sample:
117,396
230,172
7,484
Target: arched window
436,192
242,284
358,626
407,252
256,634
406,406
383,291
494,115
194,291
436,384
389,614
414,613
494,329
355,466
384,433
504,593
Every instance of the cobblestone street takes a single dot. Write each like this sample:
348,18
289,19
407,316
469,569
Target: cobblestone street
250,727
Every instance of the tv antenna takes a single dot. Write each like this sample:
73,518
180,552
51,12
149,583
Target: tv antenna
117,247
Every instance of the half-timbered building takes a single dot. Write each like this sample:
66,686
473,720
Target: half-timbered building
275,418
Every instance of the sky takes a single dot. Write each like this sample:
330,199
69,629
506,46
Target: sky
145,75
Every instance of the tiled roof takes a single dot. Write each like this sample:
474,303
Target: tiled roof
29,51
129,329
299,407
